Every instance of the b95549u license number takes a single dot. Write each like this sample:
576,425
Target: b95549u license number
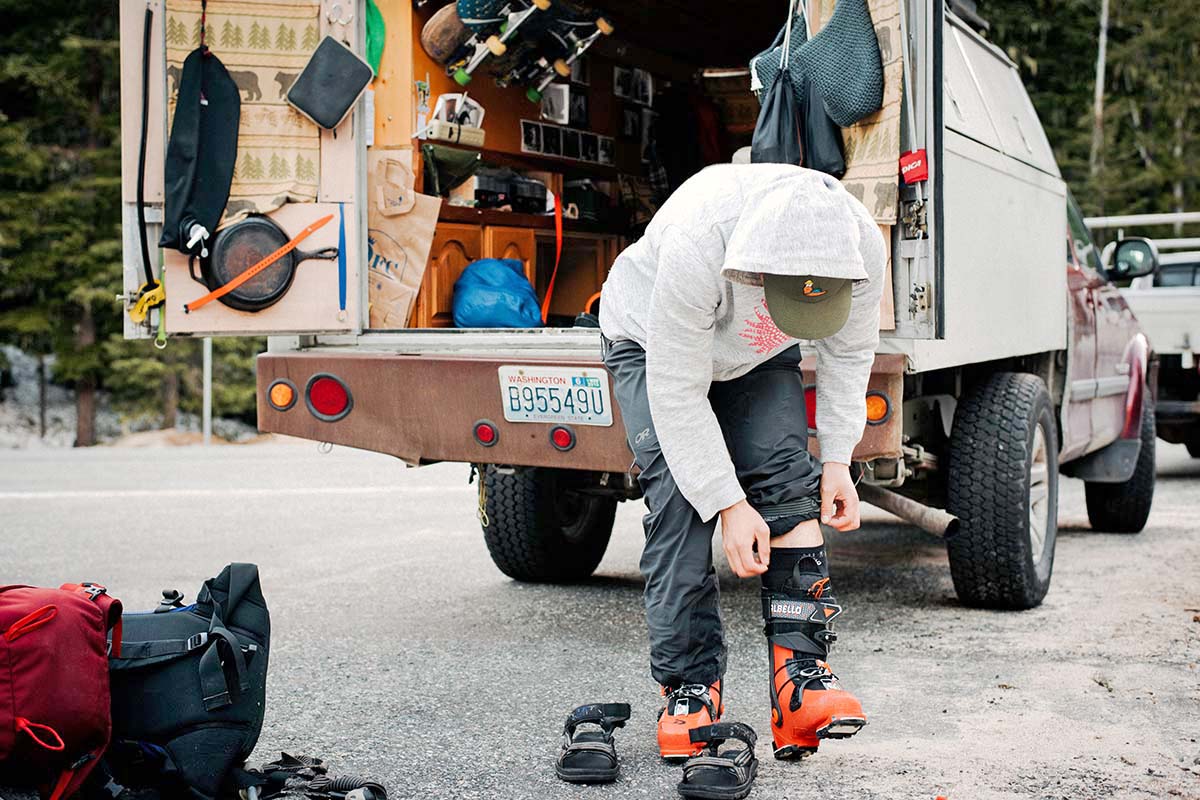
569,395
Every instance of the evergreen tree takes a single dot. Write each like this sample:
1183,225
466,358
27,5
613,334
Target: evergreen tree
310,40
256,36
227,34
60,234
281,38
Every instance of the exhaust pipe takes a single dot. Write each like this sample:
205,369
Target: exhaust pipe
927,518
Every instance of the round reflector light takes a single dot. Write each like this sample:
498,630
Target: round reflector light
486,433
281,395
328,398
562,438
879,409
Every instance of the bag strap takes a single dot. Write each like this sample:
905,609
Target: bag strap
558,243
787,36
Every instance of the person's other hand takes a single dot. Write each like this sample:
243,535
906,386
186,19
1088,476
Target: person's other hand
742,528
839,498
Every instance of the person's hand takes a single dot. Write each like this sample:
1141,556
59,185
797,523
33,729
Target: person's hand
741,529
839,498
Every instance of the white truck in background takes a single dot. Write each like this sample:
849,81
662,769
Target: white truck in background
1167,304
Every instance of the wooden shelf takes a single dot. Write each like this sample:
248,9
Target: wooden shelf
515,219
567,166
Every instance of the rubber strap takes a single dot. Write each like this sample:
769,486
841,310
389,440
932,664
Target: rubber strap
341,257
720,731
558,243
141,176
30,622
257,268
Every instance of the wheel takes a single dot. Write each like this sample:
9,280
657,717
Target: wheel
562,68
533,95
1002,484
495,46
462,77
604,26
1124,507
540,530
541,5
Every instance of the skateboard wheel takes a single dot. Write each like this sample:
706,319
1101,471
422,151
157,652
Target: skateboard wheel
541,5
495,46
562,67
604,26
533,95
462,77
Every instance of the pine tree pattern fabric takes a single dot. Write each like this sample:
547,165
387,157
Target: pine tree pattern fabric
264,46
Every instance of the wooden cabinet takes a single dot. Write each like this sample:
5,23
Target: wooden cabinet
454,246
518,243
586,259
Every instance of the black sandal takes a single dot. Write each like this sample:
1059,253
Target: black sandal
721,776
591,756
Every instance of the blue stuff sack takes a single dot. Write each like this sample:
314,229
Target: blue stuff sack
494,293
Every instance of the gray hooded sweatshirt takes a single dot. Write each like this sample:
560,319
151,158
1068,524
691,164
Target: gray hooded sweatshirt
690,293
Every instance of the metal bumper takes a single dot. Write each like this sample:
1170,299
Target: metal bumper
422,408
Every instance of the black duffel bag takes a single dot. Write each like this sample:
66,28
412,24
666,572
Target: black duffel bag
189,690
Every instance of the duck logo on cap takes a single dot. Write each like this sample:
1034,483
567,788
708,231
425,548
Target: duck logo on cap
812,291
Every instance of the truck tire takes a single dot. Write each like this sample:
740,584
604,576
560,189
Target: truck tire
1002,484
538,529
1125,507
1193,448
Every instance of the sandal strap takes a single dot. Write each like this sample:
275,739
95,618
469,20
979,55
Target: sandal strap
607,715
717,733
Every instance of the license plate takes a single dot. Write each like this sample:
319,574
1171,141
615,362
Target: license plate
570,395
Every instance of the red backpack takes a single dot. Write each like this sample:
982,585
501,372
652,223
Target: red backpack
55,717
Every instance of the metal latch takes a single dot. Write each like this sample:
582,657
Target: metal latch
913,218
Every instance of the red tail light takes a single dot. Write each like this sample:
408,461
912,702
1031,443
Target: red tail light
486,433
328,398
810,407
562,438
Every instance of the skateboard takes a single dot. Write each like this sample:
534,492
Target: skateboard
465,34
569,30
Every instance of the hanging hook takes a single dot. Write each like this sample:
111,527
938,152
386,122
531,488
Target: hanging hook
334,15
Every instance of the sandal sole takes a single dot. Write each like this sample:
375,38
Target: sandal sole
700,792
587,776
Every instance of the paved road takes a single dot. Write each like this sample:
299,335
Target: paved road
401,652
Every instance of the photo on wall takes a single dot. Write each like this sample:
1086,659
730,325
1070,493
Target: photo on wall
578,114
643,87
531,136
623,82
647,133
607,155
581,72
556,103
570,144
589,147
551,140
631,123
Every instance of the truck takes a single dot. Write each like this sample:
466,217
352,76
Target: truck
1008,357
1167,304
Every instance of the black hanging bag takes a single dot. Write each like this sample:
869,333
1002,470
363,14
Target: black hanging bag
820,136
777,133
189,689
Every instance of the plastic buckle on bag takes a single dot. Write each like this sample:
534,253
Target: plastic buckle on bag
197,640
93,590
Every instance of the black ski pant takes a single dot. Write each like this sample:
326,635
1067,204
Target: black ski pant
763,419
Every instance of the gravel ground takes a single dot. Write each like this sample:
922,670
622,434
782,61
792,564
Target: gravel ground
401,652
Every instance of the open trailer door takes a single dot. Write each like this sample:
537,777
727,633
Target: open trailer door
291,176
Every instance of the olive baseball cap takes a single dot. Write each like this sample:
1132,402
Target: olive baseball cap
808,306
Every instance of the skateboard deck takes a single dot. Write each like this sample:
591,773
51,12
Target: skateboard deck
444,34
569,30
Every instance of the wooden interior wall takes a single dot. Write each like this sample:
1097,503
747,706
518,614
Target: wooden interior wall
506,107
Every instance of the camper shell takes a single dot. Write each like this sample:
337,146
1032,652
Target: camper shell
993,367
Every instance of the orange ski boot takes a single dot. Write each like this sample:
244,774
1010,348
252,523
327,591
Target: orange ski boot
692,705
807,702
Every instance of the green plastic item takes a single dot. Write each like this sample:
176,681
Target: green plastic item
462,77
533,95
376,34
447,167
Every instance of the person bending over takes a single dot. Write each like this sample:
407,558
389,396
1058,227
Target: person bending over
700,321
